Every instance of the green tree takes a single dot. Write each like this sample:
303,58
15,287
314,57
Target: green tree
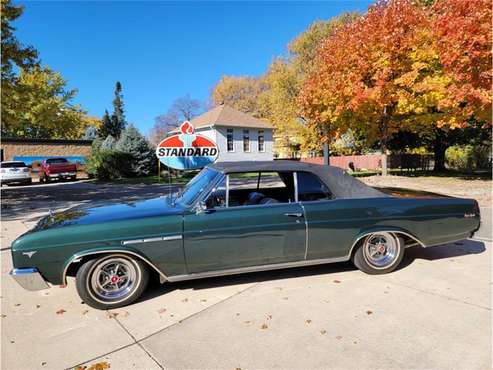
13,52
118,122
106,128
40,106
144,160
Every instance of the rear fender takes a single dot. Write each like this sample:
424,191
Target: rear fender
390,229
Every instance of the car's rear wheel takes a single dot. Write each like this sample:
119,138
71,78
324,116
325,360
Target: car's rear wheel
111,281
379,253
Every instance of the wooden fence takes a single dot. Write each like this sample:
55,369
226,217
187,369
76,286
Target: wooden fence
374,161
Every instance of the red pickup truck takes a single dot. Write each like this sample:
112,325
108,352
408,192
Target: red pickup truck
57,169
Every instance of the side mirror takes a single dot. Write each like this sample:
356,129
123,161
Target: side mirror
201,207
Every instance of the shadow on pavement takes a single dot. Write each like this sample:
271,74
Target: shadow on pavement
457,249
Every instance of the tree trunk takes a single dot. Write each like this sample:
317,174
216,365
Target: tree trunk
439,147
326,153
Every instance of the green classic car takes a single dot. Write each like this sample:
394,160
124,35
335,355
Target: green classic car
234,218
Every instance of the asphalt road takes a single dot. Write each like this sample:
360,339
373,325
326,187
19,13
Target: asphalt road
433,312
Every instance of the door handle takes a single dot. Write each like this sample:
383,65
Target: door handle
294,215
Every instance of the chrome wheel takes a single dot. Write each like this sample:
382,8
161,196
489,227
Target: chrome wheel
381,250
113,279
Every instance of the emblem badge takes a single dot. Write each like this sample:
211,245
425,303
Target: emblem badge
29,254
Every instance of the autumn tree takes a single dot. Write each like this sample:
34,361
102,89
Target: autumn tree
40,106
400,67
239,92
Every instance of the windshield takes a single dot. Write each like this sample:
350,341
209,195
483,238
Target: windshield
56,160
197,185
12,164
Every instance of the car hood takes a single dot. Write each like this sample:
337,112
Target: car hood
108,212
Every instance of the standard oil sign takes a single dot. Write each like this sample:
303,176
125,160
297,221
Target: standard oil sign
187,150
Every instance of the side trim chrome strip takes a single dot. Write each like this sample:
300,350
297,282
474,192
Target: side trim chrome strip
243,270
77,257
149,240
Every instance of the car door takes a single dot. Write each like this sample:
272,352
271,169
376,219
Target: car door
332,223
236,236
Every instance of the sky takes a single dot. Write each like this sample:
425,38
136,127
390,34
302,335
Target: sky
162,50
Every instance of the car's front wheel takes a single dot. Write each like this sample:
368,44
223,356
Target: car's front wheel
379,253
111,281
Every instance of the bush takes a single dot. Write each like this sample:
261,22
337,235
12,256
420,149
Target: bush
130,156
468,157
143,159
109,165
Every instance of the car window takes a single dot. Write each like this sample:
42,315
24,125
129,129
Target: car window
310,188
13,165
259,188
56,160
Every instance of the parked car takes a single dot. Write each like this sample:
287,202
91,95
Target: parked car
57,169
15,172
234,218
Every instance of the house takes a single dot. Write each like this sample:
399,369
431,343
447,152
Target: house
239,136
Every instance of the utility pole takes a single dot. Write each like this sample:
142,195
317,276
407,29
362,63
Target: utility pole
326,148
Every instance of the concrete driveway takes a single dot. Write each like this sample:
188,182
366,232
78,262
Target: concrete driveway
434,312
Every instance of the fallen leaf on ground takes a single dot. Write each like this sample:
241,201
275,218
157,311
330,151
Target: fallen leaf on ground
85,311
111,315
61,311
12,341
264,326
80,368
38,306
247,322
203,300
308,321
4,315
99,366
125,314
17,304
43,363
369,312
323,332
269,317
337,281
339,337
185,300
162,310
285,298
237,314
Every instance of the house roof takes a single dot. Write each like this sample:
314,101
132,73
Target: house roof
224,115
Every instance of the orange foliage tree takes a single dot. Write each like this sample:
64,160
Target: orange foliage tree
403,67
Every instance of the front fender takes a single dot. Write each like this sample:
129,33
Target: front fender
79,256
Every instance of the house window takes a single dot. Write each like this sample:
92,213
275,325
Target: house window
246,140
229,138
260,141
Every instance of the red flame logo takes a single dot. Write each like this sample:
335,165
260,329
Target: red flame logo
186,128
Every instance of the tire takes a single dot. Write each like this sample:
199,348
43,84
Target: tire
73,178
29,182
379,253
104,295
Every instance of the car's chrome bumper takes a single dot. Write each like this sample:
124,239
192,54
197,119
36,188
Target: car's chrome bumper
29,278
